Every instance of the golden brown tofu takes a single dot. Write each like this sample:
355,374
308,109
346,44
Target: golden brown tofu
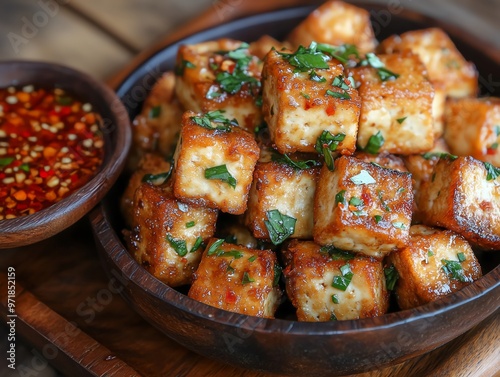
464,196
326,284
167,236
264,44
298,108
219,75
154,169
434,264
445,64
279,186
214,162
438,105
238,279
336,23
385,160
362,207
157,127
473,128
396,114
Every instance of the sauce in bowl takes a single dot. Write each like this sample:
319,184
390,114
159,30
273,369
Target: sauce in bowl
50,145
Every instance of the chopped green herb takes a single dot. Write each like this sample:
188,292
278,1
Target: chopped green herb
233,82
252,258
215,117
356,202
360,213
236,254
307,58
333,317
277,274
180,68
363,178
315,77
258,101
497,130
336,254
327,143
342,53
373,61
215,247
178,245
197,244
492,172
64,100
400,190
221,173
342,282
377,218
341,95
401,120
339,198
190,224
300,165
155,112
279,226
494,146
305,95
398,225
25,167
374,143
335,299
214,66
453,269
445,156
382,201
157,179
246,278
230,269
4,161
461,257
391,277
430,253
339,82
213,93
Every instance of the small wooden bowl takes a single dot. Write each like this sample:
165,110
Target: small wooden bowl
277,345
117,132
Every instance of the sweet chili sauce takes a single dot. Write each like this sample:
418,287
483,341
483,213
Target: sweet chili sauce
50,145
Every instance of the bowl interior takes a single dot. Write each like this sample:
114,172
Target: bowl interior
117,134
279,345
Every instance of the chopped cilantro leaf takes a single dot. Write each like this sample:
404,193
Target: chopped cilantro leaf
401,120
190,224
492,172
327,143
300,165
178,245
339,198
342,282
157,179
215,247
214,120
453,269
374,143
336,254
277,274
279,226
221,173
391,277
335,299
180,68
246,279
155,112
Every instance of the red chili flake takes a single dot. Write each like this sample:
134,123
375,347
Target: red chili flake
231,297
330,110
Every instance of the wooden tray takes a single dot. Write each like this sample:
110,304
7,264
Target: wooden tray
74,316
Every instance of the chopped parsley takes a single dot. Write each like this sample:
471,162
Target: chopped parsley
453,269
341,95
307,58
391,277
336,254
363,178
190,224
25,167
327,143
374,143
430,253
299,165
492,172
335,299
155,112
333,317
315,77
461,257
180,68
236,254
197,244
340,82
215,120
157,179
377,218
342,282
342,53
373,61
356,202
382,201
401,120
232,82
246,278
339,198
305,95
252,258
222,174
215,247
279,226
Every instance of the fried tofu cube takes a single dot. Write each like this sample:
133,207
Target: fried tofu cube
473,128
279,186
238,279
438,105
264,44
156,128
326,284
220,75
385,160
434,264
362,207
445,64
298,108
214,165
152,168
464,196
395,113
336,23
167,236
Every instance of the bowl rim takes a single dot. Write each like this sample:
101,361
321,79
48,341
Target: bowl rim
105,233
37,226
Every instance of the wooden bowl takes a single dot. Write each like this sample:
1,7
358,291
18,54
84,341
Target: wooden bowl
117,132
278,345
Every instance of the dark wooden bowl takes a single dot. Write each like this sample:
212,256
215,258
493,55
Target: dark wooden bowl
117,132
278,345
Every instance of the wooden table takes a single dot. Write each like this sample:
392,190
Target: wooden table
68,310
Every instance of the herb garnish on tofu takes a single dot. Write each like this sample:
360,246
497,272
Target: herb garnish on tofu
215,120
279,226
221,173
373,61
327,143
